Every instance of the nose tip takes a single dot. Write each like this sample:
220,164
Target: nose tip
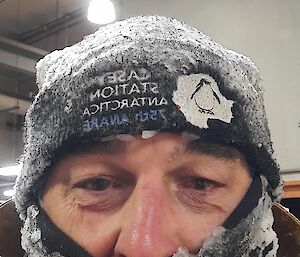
152,238
142,244
148,229
146,240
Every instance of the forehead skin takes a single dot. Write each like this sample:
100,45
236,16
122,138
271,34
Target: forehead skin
151,207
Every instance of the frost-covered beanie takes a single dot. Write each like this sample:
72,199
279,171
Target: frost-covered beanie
143,74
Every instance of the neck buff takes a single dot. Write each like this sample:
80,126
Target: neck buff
246,233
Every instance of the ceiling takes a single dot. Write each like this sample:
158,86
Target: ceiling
26,28
19,17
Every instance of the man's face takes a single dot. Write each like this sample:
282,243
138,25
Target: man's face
143,197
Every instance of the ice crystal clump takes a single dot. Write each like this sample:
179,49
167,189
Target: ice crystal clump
31,236
146,134
183,252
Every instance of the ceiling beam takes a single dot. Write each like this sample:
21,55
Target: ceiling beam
54,26
19,56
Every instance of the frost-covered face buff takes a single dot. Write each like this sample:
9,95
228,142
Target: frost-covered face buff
145,74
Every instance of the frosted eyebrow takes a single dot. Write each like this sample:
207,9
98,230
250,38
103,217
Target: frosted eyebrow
111,148
220,151
118,147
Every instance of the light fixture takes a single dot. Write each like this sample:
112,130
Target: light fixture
11,170
101,12
9,192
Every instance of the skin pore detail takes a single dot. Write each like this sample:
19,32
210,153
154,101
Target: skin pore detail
144,197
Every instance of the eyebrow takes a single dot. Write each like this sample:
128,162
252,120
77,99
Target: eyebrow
216,150
119,147
85,148
109,147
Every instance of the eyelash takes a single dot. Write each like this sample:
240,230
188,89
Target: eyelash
202,184
197,199
196,183
88,184
99,184
101,193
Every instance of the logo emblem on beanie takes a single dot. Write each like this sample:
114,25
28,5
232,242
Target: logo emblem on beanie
198,97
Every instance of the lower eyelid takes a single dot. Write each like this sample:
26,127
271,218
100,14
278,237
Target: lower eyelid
191,198
191,194
198,201
101,200
88,196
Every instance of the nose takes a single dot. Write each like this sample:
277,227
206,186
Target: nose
149,224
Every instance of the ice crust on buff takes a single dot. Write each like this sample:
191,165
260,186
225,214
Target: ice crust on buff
142,76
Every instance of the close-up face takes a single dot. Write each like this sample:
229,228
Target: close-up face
144,197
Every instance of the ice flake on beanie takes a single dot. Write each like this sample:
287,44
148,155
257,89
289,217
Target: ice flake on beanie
199,98
146,134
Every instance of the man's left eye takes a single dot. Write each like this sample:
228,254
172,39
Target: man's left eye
201,184
96,184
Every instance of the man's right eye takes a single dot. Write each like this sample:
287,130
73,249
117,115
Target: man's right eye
101,193
95,184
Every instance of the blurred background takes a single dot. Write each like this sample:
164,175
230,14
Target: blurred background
268,31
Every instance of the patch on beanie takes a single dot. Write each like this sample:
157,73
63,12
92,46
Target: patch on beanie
198,97
123,97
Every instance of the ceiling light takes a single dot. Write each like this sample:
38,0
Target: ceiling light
101,12
11,170
9,192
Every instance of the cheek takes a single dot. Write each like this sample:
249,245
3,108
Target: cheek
200,223
96,233
57,203
86,228
199,226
